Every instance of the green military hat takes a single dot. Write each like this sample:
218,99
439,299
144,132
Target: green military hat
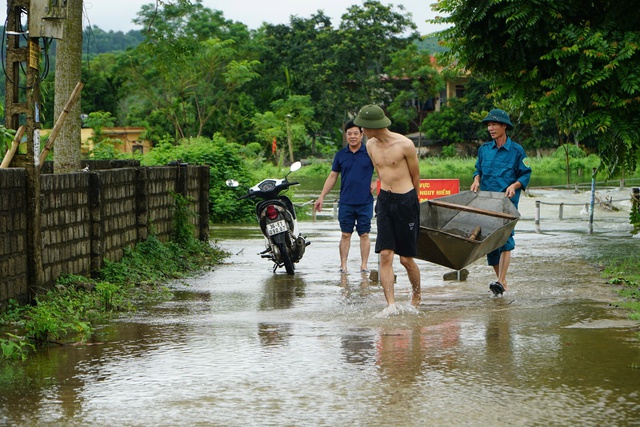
371,117
498,116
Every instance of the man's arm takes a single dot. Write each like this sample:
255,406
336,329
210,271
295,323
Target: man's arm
475,186
411,154
328,185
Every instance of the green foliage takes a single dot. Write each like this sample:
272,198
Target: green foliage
453,167
58,314
557,164
14,347
317,168
450,124
416,80
572,61
334,67
183,229
430,45
449,151
225,162
458,120
104,150
291,118
368,35
96,41
6,138
626,272
634,216
573,151
188,75
97,121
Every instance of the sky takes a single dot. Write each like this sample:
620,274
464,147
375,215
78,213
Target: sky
117,15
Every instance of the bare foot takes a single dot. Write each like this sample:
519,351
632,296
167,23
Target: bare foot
416,298
396,310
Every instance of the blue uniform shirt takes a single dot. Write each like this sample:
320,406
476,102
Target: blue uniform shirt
500,167
355,171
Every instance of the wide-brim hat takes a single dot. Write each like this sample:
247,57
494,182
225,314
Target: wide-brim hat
371,117
498,116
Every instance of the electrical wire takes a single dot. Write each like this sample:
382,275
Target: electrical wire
46,42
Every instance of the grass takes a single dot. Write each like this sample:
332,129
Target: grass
625,273
452,167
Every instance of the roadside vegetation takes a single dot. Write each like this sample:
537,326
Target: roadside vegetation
625,273
69,313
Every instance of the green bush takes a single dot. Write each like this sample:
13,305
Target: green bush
575,152
14,348
448,151
225,162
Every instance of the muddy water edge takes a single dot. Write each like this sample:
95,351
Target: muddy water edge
243,346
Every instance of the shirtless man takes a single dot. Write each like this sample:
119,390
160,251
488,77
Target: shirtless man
395,160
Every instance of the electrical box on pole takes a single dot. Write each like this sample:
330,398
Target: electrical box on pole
47,18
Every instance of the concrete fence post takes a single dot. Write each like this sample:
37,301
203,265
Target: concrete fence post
205,173
537,214
97,225
142,204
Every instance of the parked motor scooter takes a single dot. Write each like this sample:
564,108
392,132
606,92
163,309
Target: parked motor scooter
276,215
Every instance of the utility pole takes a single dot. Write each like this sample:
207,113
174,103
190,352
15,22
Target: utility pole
44,18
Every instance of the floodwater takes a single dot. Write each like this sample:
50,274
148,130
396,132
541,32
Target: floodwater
242,346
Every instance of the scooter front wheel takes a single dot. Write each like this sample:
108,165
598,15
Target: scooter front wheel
286,259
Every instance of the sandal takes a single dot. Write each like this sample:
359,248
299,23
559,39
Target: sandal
496,288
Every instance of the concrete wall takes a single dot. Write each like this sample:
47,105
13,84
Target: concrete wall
13,235
88,217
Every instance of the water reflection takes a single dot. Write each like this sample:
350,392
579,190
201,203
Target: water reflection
280,292
406,354
354,290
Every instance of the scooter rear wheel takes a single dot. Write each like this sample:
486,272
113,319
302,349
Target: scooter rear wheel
286,259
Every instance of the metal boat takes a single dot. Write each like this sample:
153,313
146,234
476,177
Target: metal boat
457,230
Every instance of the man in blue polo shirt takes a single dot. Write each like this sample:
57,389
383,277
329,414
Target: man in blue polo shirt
503,166
355,208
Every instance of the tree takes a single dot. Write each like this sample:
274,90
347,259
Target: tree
68,74
418,81
188,76
368,35
102,84
291,119
296,59
574,60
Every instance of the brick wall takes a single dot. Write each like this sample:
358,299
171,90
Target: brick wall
13,236
88,217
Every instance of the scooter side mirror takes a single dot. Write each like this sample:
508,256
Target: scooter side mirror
232,183
295,166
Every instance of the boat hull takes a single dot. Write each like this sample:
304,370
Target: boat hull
445,231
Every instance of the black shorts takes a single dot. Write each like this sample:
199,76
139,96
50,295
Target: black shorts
398,219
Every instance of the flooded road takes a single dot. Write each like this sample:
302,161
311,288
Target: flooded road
242,346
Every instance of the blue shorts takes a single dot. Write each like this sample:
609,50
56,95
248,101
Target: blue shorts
493,258
358,216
